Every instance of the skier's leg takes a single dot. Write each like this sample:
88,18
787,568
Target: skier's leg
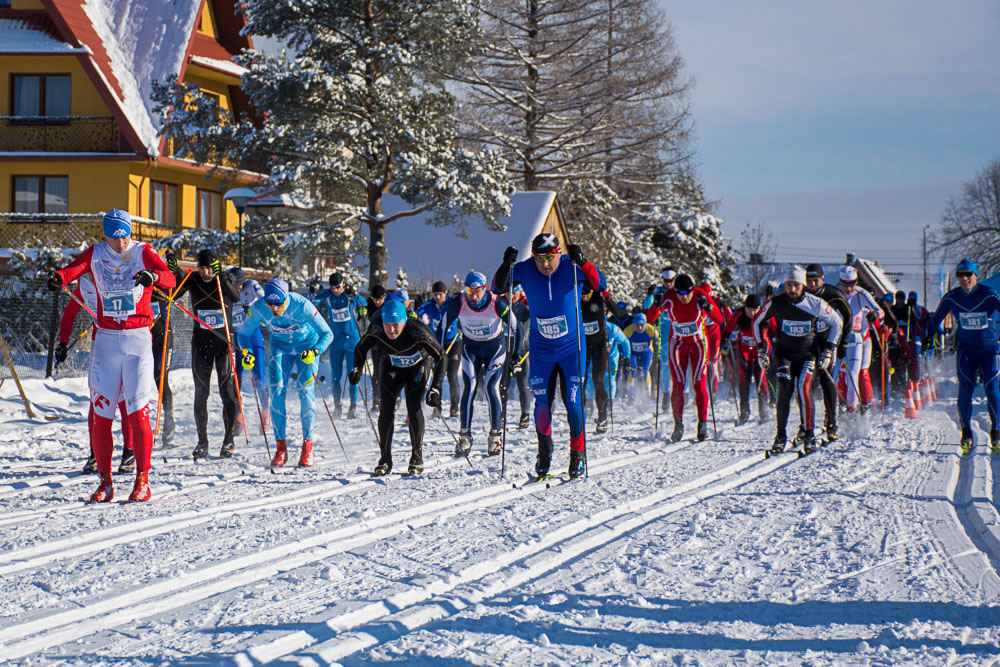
227,392
864,379
699,359
280,370
598,362
414,393
989,367
678,366
783,378
307,396
137,387
469,386
105,380
494,369
389,387
802,371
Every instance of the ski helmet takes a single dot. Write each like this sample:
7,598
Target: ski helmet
639,320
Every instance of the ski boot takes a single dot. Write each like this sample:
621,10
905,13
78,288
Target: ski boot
140,490
464,444
127,464
227,450
494,442
808,443
306,457
105,490
90,466
455,412
744,416
280,454
383,468
864,408
544,458
577,467
800,437
678,432
966,440
200,452
416,462
525,420
995,441
831,433
352,411
778,446
602,425
337,411
702,433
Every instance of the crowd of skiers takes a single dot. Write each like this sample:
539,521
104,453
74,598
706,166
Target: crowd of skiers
553,306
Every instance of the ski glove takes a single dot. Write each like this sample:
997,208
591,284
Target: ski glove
362,312
762,359
724,349
703,302
61,353
825,358
172,262
55,282
216,266
354,376
872,316
433,397
510,256
576,254
841,351
146,278
309,356
248,360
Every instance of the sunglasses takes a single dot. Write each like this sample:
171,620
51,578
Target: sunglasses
546,258
683,292
964,274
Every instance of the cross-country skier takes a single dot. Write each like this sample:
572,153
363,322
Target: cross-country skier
688,307
618,348
738,340
250,291
596,335
86,292
519,365
299,335
644,343
406,345
342,316
815,277
121,358
713,332
865,313
796,314
208,350
552,287
976,309
432,314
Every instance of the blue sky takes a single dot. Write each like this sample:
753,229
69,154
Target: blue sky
841,125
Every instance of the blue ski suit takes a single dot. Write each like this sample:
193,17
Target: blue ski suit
556,337
249,293
342,317
977,320
300,327
618,347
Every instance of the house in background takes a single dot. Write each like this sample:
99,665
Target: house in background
78,133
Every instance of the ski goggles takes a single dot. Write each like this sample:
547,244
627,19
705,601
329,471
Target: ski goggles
964,274
683,292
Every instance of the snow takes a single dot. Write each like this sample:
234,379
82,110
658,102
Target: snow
880,549
227,66
146,42
18,35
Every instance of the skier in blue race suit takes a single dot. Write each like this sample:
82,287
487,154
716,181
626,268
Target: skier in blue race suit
618,347
976,309
342,316
432,314
299,335
552,285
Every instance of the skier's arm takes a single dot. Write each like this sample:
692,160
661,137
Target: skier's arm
229,290
944,307
165,279
832,319
77,267
763,316
434,350
253,320
593,275
316,322
69,314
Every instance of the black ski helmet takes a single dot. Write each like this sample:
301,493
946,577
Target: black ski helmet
683,283
752,301
336,278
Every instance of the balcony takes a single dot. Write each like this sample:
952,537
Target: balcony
70,230
59,134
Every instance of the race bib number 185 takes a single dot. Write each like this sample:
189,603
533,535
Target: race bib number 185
553,327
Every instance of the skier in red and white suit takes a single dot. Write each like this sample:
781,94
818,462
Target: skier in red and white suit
739,337
713,332
852,371
121,359
688,309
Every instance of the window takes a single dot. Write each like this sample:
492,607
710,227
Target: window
41,194
163,202
40,95
208,214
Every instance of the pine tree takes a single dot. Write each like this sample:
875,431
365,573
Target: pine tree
401,281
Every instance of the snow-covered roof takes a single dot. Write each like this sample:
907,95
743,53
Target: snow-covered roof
224,66
32,34
432,253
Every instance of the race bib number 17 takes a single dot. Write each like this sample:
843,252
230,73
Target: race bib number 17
118,304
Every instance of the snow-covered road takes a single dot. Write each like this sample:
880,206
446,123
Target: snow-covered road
881,549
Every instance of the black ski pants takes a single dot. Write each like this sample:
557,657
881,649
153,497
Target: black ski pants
208,351
167,401
597,360
794,373
412,382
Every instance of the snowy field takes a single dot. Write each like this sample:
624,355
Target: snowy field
882,549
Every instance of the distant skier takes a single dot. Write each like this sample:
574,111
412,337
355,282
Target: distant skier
342,316
738,340
976,309
644,345
796,314
815,285
596,334
865,313
406,345
250,292
432,314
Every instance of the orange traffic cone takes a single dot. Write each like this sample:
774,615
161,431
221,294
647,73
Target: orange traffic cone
915,393
925,393
909,411
933,388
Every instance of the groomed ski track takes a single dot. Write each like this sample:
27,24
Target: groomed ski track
878,549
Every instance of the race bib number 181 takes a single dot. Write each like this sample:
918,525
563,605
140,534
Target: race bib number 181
973,321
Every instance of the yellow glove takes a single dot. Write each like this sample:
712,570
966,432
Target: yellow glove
308,357
248,360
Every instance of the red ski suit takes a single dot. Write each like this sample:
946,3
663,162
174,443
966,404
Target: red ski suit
739,331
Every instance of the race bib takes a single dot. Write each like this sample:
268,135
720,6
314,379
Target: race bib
340,315
858,323
477,331
405,360
215,319
286,330
685,328
118,304
239,316
590,328
748,340
973,321
553,327
640,347
796,328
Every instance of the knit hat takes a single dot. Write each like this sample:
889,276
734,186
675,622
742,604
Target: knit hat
796,274
336,279
393,312
639,320
814,271
378,292
276,291
683,283
544,245
752,301
475,279
848,274
117,224
967,265
668,273
206,257
439,287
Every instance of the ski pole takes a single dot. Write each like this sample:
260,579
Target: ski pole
194,317
232,358
332,423
79,301
76,340
163,360
453,437
580,369
260,416
656,401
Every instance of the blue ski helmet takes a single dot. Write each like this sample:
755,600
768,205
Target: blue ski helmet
393,312
912,296
475,279
622,305
639,321
967,265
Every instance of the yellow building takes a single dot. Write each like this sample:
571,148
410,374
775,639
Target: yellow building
78,132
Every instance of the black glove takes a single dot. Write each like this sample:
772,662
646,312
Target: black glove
510,256
216,266
55,282
872,316
576,254
433,397
841,352
61,351
146,278
172,262
703,302
354,376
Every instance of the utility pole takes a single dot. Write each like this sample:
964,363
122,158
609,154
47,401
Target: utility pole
924,290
